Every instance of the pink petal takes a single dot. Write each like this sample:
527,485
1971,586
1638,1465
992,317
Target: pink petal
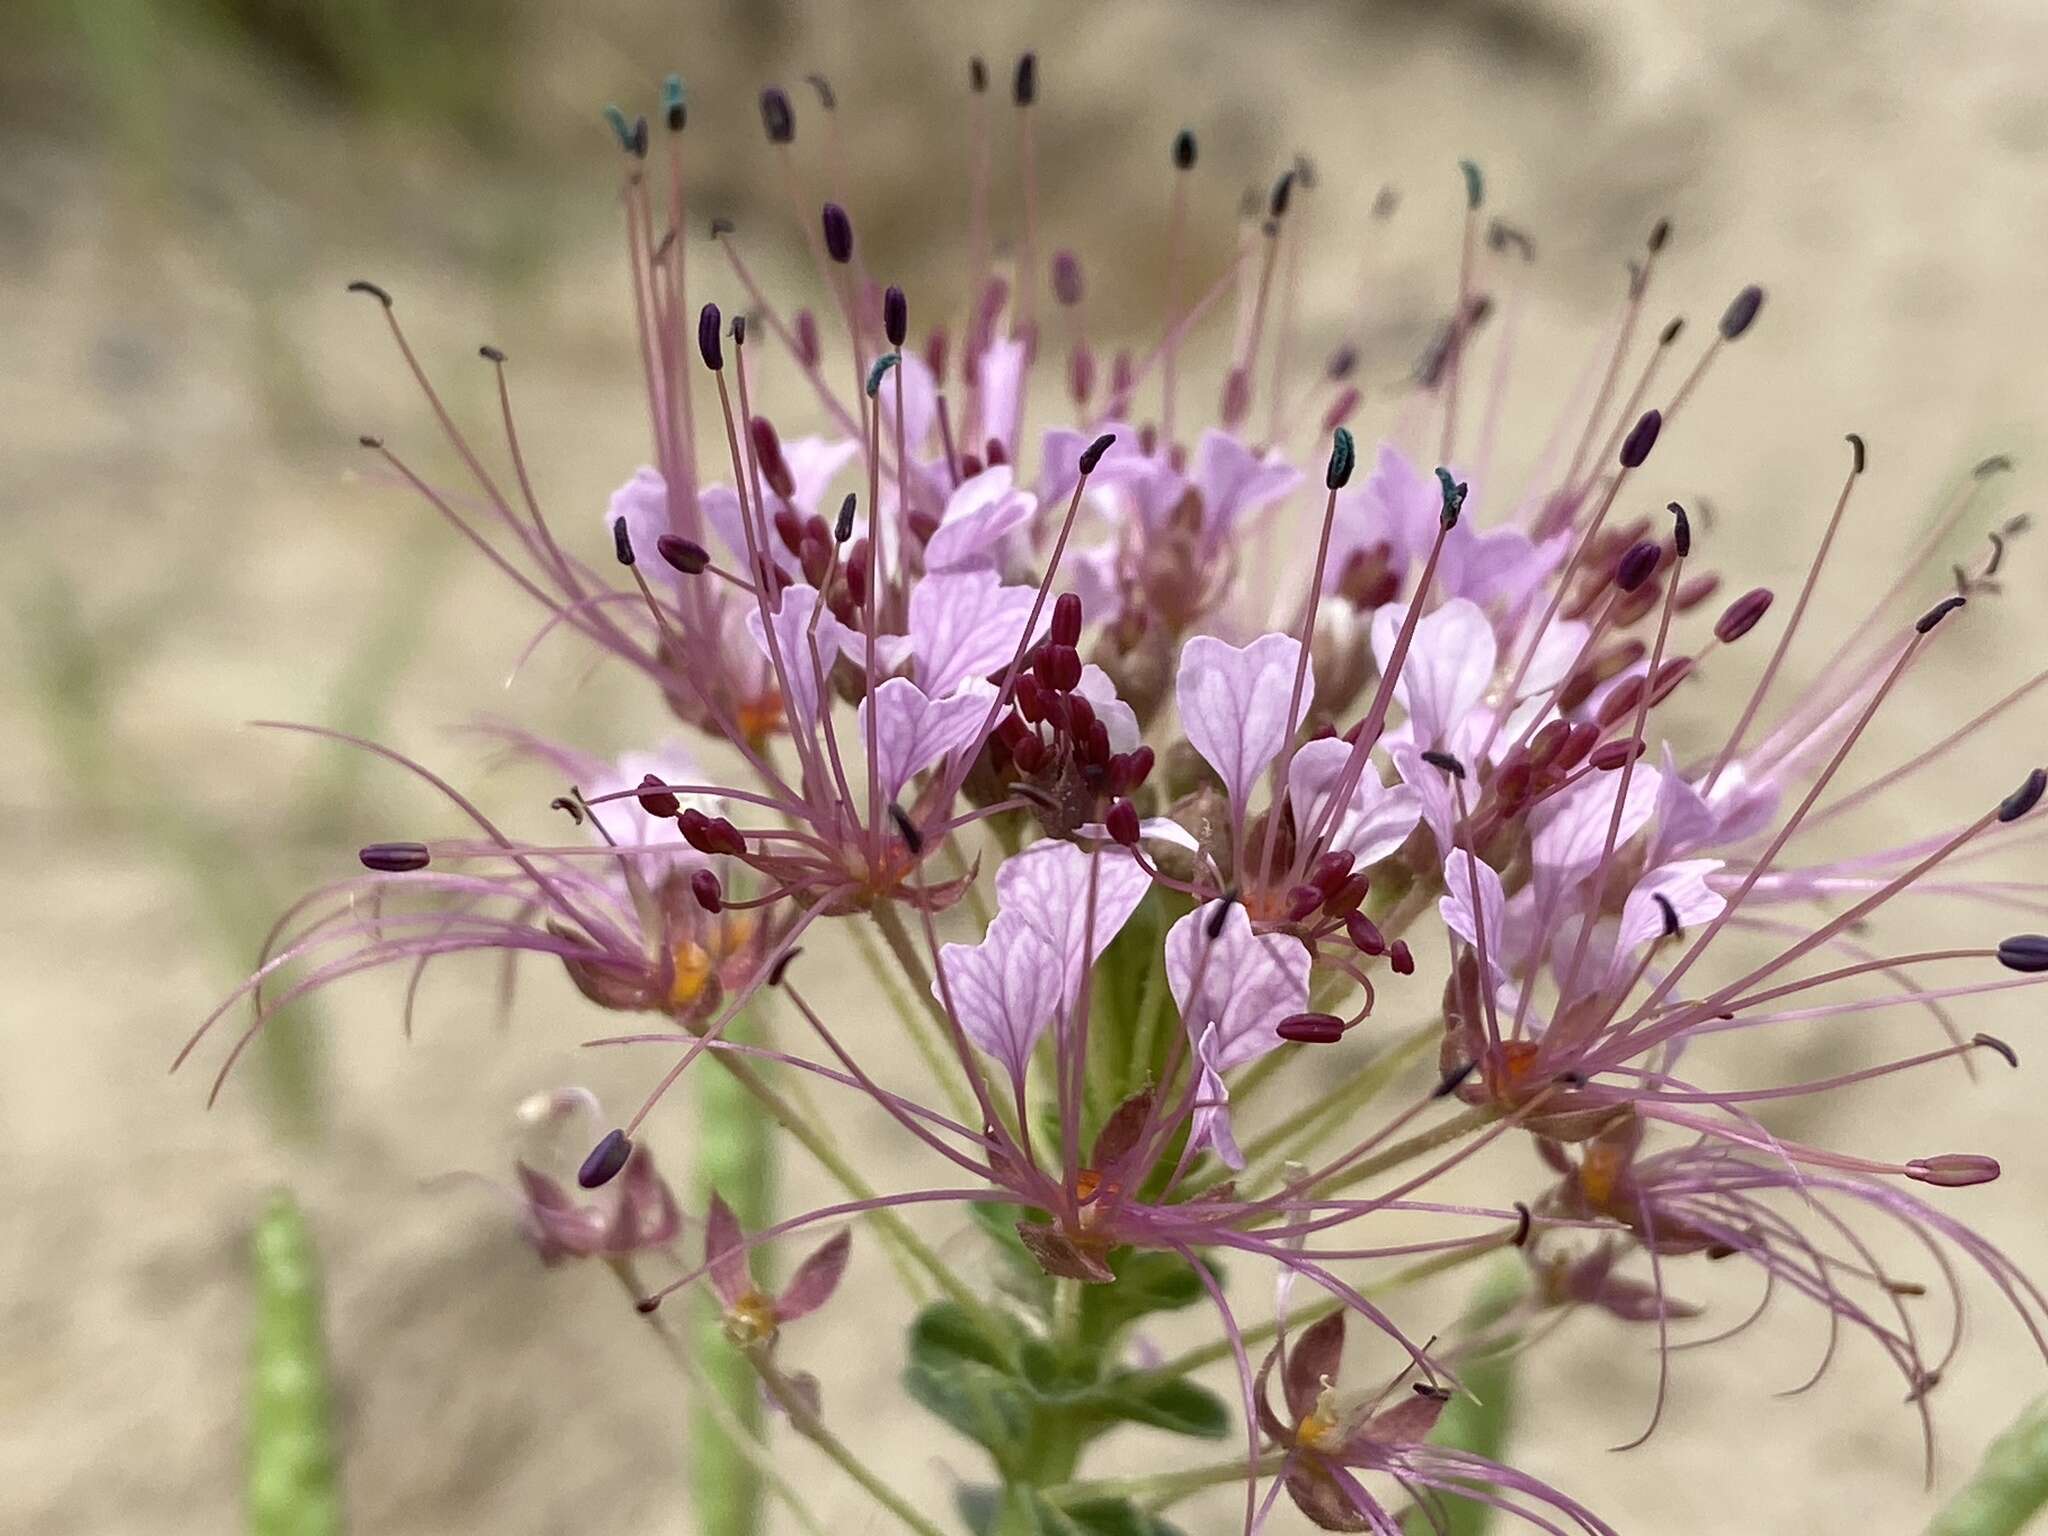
1446,674
793,639
966,624
1241,983
978,516
730,1279
1377,820
1233,705
914,731
815,1279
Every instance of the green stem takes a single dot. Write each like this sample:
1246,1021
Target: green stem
1161,1487
685,1358
735,1159
807,1423
2009,1488
1421,1143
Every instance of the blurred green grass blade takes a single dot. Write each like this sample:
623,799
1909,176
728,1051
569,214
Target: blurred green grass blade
1480,1426
735,1157
2009,1488
294,1466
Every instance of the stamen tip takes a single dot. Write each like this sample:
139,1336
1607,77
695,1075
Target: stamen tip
605,1160
2025,798
364,285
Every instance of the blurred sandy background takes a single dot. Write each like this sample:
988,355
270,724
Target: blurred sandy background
188,186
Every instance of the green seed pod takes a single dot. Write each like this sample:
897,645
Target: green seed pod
2009,1488
294,1467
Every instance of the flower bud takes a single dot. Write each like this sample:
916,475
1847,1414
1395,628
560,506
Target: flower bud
1953,1170
394,858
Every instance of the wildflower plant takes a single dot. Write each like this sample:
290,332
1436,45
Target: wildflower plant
1140,749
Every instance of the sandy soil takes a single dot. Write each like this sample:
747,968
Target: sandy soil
173,501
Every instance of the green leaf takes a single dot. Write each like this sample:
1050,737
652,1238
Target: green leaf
1179,1407
959,1374
1026,1512
1146,1282
2010,1487
294,1467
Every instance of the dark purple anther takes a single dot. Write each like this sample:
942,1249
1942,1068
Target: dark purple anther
1184,150
1311,1028
1953,1170
1066,619
711,834
1681,529
1443,762
1742,615
838,233
1219,914
1401,958
622,541
1672,331
842,530
686,555
1092,454
710,346
1122,823
1637,564
1066,277
1331,870
1614,754
1642,437
1936,614
2025,798
777,116
1365,934
1859,455
605,1160
656,800
2026,953
395,858
1302,900
895,315
977,75
709,893
1024,89
1741,312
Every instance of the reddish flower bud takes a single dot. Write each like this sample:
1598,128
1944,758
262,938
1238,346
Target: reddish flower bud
1122,823
709,893
655,800
1310,1028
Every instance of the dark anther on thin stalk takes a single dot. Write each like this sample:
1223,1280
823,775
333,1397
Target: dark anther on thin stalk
637,143
907,829
1855,442
1283,193
673,108
1184,150
686,555
605,1160
781,967
1670,333
1452,1079
2025,798
1092,454
710,345
394,858
1501,235
739,330
1214,927
570,806
1475,183
1681,530
842,529
883,364
1742,615
1024,88
1642,437
838,233
2026,953
1454,497
363,285
777,116
367,441
977,75
721,225
1343,458
656,800
490,354
1672,930
622,541
895,315
1524,1220
1637,564
823,87
1740,314
1443,762
1660,233
1936,614
1993,1043
1997,464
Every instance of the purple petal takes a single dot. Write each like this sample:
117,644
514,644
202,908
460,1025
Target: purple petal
1571,829
1377,820
913,731
794,640
1003,363
1241,983
966,624
1446,674
1313,1361
1209,1125
815,1279
1004,990
1233,705
730,1279
979,515
1236,483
